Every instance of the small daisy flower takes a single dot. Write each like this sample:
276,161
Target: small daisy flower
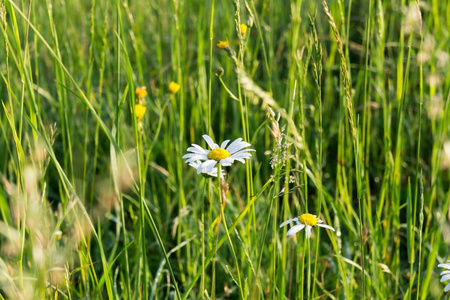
139,110
445,274
141,92
173,87
243,28
305,220
223,155
213,173
223,44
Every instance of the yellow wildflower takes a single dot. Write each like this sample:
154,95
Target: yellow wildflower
141,92
139,110
243,29
173,87
223,44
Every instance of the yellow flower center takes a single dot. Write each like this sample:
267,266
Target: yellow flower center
218,154
308,219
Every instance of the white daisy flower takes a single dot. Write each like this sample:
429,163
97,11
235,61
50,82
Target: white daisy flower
445,274
305,220
213,173
223,155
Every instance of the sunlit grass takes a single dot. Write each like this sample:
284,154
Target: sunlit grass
346,104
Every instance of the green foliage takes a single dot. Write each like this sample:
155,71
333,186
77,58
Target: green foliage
346,104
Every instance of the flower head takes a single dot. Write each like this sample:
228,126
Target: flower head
141,92
243,28
213,172
305,220
173,87
225,156
139,110
445,274
223,44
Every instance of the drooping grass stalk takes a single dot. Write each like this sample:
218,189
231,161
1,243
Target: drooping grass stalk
182,230
210,77
355,138
412,226
117,137
317,75
421,219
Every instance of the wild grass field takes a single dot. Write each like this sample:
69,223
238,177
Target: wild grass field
341,109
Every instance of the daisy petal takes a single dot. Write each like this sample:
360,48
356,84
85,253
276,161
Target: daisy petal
242,155
203,167
209,168
445,272
295,229
190,155
308,231
240,147
233,145
224,144
447,266
447,288
288,221
326,226
195,158
210,142
239,159
197,150
226,162
445,277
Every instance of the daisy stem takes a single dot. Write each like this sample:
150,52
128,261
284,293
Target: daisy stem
302,277
222,198
309,267
213,280
202,286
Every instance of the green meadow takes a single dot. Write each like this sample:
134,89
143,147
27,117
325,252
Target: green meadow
337,116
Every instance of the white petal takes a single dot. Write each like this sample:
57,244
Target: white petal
240,147
308,231
288,221
209,164
210,142
447,266
191,155
239,159
233,145
447,288
200,148
295,229
208,168
241,155
226,162
325,226
195,158
445,272
195,164
196,149
224,144
192,150
445,277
